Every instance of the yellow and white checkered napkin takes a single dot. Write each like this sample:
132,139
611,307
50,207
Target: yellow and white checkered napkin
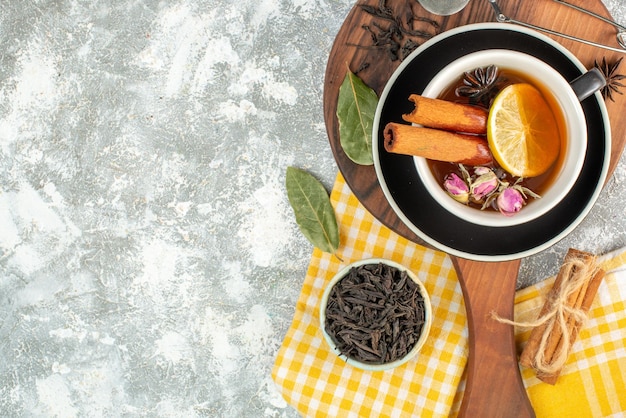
317,383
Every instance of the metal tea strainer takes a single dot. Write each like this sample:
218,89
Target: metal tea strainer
443,7
621,32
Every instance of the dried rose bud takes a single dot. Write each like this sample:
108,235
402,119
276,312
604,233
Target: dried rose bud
456,187
510,201
484,185
480,170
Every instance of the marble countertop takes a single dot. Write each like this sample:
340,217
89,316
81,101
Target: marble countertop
149,258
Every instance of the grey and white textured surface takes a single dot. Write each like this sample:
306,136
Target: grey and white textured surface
149,260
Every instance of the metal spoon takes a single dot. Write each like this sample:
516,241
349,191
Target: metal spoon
621,35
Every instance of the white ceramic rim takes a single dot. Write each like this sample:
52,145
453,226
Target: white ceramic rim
453,251
572,162
425,329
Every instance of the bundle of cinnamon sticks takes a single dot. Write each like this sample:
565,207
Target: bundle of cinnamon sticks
448,131
562,315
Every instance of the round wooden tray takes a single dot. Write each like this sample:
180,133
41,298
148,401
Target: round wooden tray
353,47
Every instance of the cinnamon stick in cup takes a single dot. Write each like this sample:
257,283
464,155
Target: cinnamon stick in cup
447,115
436,144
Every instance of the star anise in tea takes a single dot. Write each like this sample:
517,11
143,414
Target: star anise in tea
612,78
479,85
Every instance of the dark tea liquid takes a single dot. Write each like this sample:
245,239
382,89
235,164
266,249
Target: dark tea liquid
506,77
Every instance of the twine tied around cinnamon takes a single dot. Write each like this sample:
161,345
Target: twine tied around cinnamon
563,314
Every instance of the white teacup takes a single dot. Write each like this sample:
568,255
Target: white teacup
566,96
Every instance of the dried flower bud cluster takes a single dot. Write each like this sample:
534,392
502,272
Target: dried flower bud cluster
485,188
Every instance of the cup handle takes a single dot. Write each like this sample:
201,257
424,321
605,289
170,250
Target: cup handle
588,83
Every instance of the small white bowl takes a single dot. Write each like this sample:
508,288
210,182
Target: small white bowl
425,329
548,79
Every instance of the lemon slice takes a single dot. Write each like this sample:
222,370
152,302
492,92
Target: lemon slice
522,132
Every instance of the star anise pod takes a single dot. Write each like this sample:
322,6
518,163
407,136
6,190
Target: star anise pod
612,78
479,84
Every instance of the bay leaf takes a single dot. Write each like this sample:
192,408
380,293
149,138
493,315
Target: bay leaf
314,213
356,106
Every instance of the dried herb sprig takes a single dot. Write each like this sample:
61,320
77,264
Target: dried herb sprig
397,36
612,78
